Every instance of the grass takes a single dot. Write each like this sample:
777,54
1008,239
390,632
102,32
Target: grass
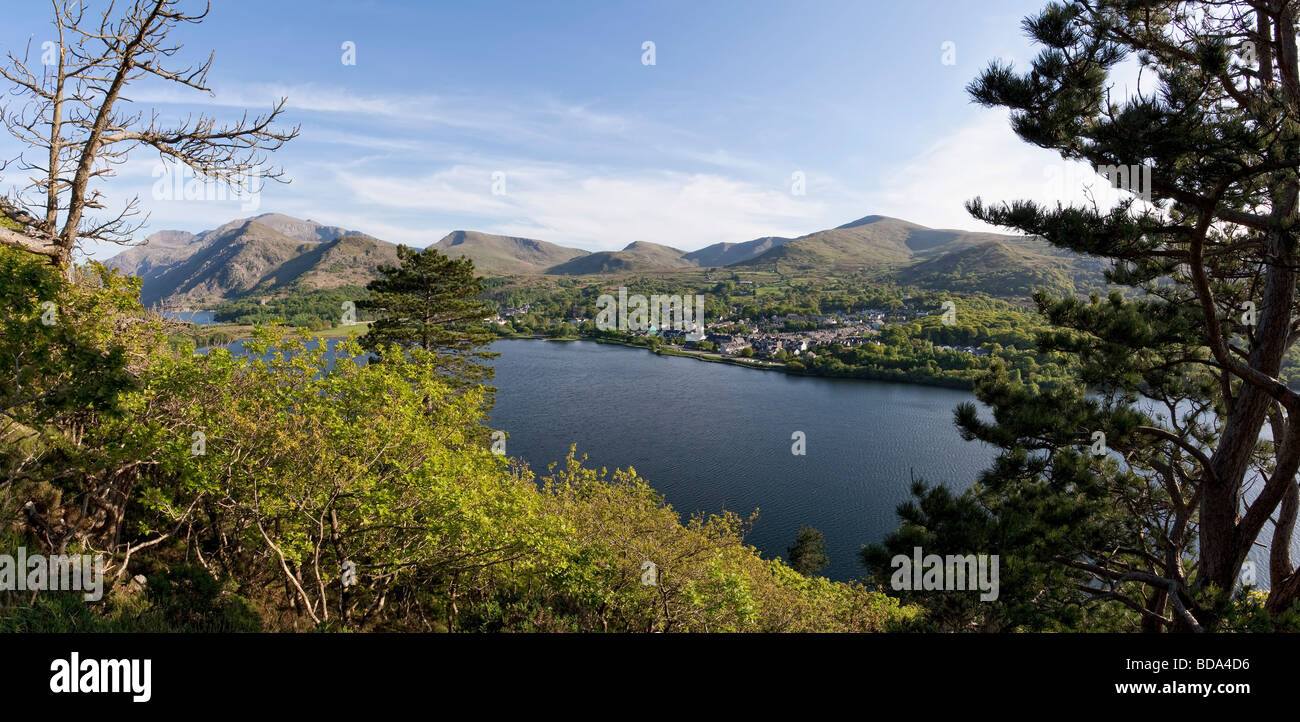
355,329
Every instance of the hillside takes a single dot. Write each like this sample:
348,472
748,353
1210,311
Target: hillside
299,229
726,254
274,253
505,255
185,268
238,259
992,267
159,252
228,262
351,260
870,242
638,256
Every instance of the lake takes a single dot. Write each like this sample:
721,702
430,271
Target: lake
199,318
712,436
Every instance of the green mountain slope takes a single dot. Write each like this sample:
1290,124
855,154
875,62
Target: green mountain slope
726,254
505,255
237,260
638,256
870,242
273,253
993,267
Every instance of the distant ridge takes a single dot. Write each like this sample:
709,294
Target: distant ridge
505,255
873,241
269,253
993,267
274,253
635,257
726,254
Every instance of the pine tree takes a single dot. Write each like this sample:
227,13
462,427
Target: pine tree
1143,482
808,555
430,301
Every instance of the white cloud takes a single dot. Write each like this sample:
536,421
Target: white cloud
987,159
595,210
460,189
413,183
605,208
483,115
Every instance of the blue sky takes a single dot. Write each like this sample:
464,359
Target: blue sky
597,149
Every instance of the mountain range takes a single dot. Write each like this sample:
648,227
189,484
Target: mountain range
272,253
267,254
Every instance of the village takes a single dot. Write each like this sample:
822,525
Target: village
764,339
767,337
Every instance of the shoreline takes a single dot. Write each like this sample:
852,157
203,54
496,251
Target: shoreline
706,356
934,382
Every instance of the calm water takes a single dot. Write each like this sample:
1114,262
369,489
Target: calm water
714,436
200,318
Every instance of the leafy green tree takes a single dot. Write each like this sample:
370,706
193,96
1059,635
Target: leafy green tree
429,301
632,564
808,555
1141,481
70,354
317,465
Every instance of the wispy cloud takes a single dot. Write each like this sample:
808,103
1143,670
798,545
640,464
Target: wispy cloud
986,159
640,181
479,113
599,211
621,178
604,208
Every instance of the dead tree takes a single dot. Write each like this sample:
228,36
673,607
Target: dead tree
77,125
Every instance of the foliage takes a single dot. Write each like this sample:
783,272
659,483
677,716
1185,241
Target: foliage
428,302
69,352
250,480
808,555
315,309
1136,483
